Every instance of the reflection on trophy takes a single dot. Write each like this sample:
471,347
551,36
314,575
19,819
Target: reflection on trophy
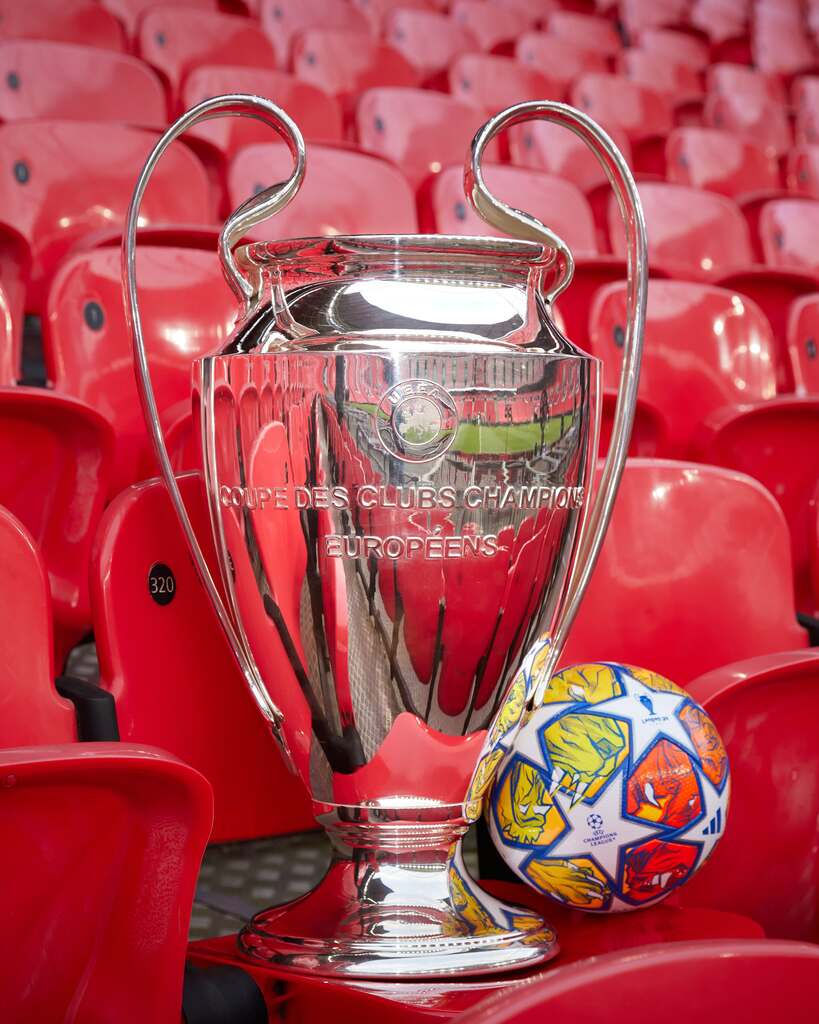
398,446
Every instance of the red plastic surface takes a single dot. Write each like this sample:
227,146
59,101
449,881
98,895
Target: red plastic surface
705,348
101,845
344,192
494,83
681,47
52,81
767,712
802,173
176,40
562,59
492,26
805,100
62,181
641,112
745,83
598,34
56,457
130,11
85,23
281,20
10,334
803,344
752,981
678,83
787,231
170,669
775,442
751,115
675,587
719,162
188,310
419,130
31,710
429,40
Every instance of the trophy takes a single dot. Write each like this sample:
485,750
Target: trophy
399,448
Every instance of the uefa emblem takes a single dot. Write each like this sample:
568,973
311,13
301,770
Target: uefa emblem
416,420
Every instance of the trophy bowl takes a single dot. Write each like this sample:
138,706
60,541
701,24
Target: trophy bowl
398,446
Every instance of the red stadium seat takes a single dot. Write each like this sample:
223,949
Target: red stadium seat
101,849
680,47
638,15
706,348
752,980
187,311
802,174
51,80
31,710
598,34
771,441
563,59
491,26
719,162
130,11
282,20
781,46
678,83
803,344
643,114
344,192
376,11
61,22
346,62
674,587
805,100
56,458
183,690
746,84
421,131
177,40
65,181
767,712
724,23
787,231
10,335
762,120
495,83
429,40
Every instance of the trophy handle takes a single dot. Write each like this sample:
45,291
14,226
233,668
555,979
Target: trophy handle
250,213
523,225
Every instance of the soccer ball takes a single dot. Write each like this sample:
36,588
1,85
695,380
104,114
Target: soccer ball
613,792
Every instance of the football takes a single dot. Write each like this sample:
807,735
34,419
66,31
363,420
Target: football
613,792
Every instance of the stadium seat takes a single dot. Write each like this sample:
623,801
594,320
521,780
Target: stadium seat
346,62
130,11
754,980
638,15
344,192
31,710
85,23
781,46
679,84
282,20
705,349
101,849
494,83
493,28
744,83
771,441
421,131
187,311
643,114
762,120
805,101
165,659
679,47
674,587
56,457
725,25
177,40
787,231
429,40
65,181
598,34
767,712
719,161
560,58
802,171
51,80
803,344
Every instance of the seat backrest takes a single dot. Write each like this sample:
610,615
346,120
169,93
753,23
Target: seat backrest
317,114
101,849
691,232
51,80
344,192
421,131
494,83
554,201
803,344
489,24
88,24
187,311
705,348
175,40
65,180
805,100
802,173
753,980
681,47
767,713
719,162
677,82
345,62
598,34
565,58
757,117
31,710
736,80
429,40
164,657
641,112
638,15
788,231
282,20
56,457
675,588
130,11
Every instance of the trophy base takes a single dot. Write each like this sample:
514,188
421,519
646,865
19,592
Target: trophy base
387,913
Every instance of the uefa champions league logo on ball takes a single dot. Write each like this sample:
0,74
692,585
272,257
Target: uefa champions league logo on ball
595,822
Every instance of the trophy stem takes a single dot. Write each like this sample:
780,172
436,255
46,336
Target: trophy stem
397,901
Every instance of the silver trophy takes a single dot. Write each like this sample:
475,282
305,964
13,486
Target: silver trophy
399,447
